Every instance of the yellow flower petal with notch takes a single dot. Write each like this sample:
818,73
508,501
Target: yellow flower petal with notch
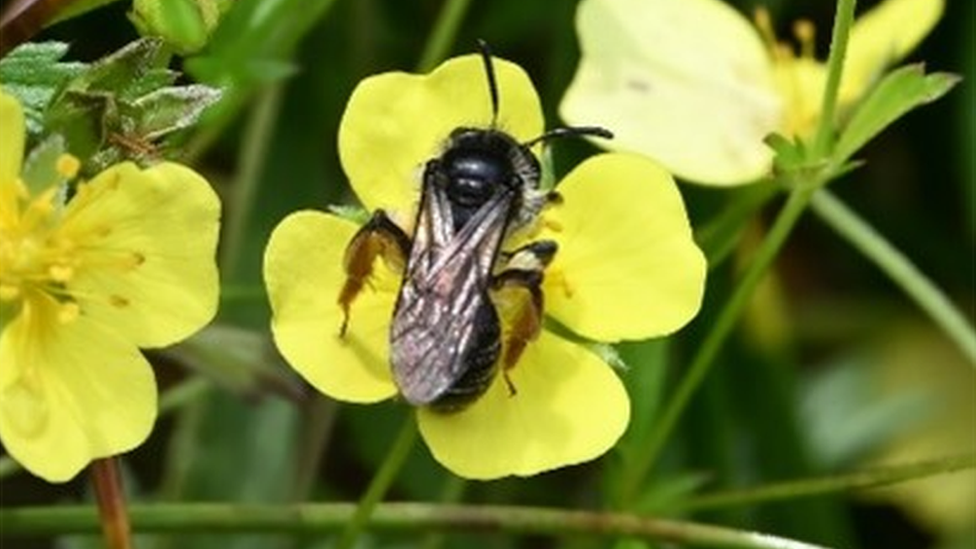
70,393
394,122
570,408
303,272
145,233
627,267
694,85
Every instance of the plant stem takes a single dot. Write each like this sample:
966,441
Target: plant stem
843,20
254,149
899,268
727,318
444,33
857,480
380,484
107,481
315,518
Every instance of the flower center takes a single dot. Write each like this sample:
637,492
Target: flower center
36,257
799,77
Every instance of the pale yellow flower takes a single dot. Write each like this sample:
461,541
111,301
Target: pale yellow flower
698,87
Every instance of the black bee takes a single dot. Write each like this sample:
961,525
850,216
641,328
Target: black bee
446,337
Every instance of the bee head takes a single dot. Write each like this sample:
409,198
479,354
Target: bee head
479,163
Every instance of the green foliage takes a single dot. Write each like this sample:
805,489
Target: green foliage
897,94
34,73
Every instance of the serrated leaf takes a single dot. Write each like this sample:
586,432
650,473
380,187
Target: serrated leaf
169,109
130,72
33,73
898,93
80,118
123,104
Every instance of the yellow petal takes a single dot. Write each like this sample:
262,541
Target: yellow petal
569,408
12,139
303,271
883,36
149,270
627,267
687,82
70,393
395,122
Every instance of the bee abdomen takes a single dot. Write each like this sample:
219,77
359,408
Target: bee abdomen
479,360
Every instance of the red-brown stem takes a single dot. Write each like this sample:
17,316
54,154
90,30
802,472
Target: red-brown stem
112,510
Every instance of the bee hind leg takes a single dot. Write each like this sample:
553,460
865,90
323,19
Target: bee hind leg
524,272
379,237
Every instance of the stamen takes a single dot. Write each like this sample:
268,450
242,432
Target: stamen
764,23
60,272
67,166
9,292
805,33
554,226
68,311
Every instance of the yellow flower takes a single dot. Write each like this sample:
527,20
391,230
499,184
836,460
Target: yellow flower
626,268
127,262
693,84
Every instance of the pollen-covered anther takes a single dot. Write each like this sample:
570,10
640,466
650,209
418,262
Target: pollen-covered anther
67,166
558,278
552,225
68,312
60,272
9,292
806,34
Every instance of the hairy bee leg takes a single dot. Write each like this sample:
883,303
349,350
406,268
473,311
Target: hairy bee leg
525,271
380,236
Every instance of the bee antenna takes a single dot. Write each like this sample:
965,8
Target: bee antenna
492,83
571,131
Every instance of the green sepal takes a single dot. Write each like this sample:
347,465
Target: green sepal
898,93
124,105
40,171
33,73
355,214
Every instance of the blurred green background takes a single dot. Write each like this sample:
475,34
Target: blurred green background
832,368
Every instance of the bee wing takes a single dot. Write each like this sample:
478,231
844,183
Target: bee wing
443,320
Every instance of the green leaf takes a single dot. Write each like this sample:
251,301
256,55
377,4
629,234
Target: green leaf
122,106
33,73
136,69
898,93
169,109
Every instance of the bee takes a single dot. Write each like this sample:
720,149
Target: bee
446,335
